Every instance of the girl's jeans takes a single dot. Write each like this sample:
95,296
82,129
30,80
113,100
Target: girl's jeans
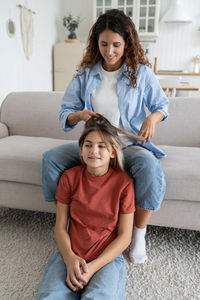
108,283
141,164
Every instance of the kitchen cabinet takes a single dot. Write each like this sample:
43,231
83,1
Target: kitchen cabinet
66,58
144,13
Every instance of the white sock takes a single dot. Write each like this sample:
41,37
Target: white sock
137,252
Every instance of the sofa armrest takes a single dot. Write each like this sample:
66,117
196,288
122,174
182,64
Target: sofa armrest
3,130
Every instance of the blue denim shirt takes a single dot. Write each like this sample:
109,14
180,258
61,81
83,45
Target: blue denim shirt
132,101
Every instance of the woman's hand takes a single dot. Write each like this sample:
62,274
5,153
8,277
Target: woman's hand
147,130
148,127
85,115
82,115
76,269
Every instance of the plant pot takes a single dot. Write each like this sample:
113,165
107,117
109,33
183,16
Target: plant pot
72,35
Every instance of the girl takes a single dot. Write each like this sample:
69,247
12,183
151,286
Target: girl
115,80
99,199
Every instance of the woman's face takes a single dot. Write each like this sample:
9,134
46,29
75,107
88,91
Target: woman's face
111,46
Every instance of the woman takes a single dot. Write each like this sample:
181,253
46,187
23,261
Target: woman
114,79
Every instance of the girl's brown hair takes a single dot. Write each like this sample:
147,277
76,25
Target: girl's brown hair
116,21
110,136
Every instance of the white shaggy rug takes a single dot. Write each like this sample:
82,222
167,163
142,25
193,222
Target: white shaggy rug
172,271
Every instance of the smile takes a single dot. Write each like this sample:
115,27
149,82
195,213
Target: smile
110,58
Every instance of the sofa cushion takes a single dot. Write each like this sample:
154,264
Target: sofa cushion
35,114
3,130
182,172
181,128
20,157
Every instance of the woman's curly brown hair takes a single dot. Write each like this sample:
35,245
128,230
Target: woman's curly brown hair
116,21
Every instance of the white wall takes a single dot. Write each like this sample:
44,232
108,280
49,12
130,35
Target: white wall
16,72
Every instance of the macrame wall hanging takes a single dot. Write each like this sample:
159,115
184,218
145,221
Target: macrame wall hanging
27,29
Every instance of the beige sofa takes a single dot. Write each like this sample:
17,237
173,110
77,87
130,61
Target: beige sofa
29,126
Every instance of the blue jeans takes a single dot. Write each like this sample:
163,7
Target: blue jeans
108,283
141,164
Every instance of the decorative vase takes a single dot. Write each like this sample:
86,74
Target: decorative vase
197,64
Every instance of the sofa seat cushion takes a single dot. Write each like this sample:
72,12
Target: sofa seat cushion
182,172
20,157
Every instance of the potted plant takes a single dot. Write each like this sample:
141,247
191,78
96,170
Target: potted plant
71,24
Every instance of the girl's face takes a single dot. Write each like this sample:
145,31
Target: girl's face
96,154
111,47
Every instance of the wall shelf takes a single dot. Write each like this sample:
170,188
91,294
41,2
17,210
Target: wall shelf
172,73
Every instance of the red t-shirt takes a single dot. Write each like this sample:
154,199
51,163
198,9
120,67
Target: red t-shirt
95,204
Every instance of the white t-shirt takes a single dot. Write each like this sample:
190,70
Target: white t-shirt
105,100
